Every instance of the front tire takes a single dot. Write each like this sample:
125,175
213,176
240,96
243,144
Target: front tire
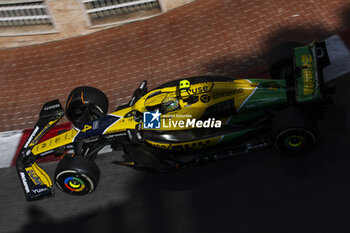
77,175
86,104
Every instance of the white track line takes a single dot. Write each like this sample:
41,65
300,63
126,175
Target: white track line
8,146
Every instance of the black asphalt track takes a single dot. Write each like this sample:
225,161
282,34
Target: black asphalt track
260,192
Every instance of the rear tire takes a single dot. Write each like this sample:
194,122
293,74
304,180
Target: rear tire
77,175
293,131
86,104
281,59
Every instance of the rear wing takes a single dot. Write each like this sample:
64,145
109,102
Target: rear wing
310,61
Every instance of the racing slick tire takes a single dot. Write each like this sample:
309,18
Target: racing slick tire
86,104
293,131
280,59
77,175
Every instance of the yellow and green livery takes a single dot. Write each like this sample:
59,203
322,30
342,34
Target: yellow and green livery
178,123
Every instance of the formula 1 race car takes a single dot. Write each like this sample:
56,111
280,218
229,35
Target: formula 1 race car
182,122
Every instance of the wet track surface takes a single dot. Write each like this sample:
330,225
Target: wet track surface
261,192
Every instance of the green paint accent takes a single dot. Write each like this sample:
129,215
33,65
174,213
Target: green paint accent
268,93
244,116
307,80
267,82
232,136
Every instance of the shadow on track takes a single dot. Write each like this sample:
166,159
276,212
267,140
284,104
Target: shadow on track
258,193
261,192
255,65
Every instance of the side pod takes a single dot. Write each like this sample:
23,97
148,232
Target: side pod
35,181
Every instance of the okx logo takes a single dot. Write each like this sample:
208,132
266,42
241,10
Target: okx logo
151,120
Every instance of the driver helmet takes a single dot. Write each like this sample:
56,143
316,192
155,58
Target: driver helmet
169,104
